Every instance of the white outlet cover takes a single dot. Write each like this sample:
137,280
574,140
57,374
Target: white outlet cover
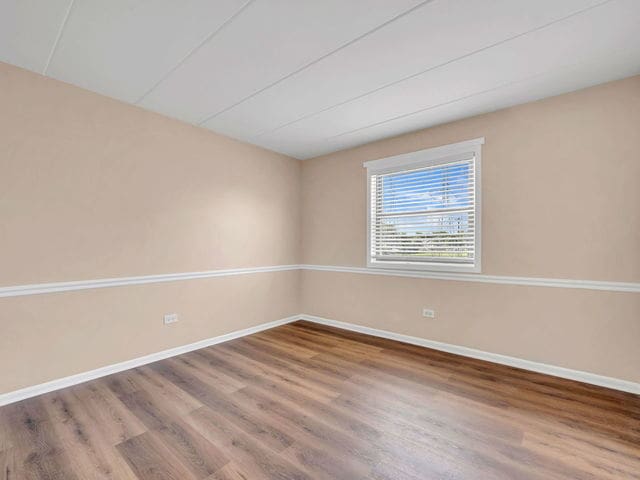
427,312
170,318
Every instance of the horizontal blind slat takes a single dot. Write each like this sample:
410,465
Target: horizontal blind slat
463,200
457,179
427,170
427,259
450,189
435,235
431,213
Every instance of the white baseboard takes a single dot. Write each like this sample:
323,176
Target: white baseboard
591,378
585,377
28,392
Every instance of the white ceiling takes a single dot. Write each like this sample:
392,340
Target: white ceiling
308,77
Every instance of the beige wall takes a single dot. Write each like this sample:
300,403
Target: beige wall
92,188
588,330
560,199
50,336
559,187
45,337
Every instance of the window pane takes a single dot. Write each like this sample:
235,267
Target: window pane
439,235
425,215
439,187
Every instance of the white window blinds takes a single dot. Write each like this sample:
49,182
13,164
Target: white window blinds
425,214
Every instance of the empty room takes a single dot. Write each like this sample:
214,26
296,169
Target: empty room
319,239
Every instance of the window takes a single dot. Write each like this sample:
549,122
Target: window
424,209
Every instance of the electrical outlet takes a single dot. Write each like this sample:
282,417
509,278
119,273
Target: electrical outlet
428,313
170,318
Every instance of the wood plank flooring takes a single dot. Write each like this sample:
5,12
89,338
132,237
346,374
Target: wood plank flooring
305,401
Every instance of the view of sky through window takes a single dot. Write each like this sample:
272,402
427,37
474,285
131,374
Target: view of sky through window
426,212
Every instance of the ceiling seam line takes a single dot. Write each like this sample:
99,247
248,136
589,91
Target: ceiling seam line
430,69
449,102
194,50
465,97
54,47
322,57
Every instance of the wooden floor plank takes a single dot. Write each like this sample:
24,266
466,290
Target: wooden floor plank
253,423
307,401
9,465
200,456
90,453
242,448
231,471
150,459
106,410
38,452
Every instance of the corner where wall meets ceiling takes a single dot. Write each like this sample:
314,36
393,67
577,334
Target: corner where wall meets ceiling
309,78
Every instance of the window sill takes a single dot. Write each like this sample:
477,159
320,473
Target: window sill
431,267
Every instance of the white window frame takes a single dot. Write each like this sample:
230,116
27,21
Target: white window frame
422,159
